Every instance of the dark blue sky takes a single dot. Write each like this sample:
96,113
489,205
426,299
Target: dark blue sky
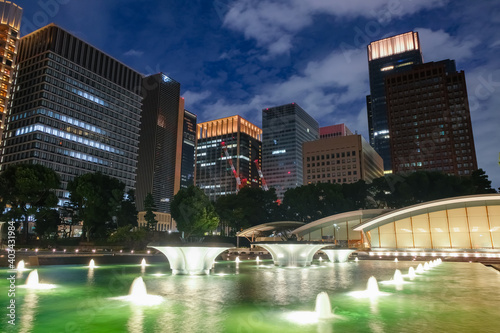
239,56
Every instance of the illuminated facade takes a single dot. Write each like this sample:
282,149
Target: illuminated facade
74,109
387,56
285,129
213,170
188,149
10,16
160,143
334,131
165,221
340,159
461,223
429,120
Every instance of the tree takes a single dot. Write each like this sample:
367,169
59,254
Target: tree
150,207
96,199
47,222
193,212
130,237
25,189
481,183
127,214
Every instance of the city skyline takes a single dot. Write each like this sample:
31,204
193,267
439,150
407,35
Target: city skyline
237,57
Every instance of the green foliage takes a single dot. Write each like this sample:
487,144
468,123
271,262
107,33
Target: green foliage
27,188
47,222
127,214
193,212
150,208
251,206
130,236
481,183
96,199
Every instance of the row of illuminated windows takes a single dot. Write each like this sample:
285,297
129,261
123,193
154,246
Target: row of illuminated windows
333,162
327,156
472,227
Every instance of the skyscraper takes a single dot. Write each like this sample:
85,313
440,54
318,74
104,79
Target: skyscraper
429,120
75,109
284,129
387,56
243,141
10,21
160,143
188,149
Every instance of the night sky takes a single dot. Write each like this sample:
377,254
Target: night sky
237,57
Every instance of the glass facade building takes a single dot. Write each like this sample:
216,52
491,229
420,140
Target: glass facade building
387,56
160,144
74,109
10,21
284,129
243,141
188,149
429,120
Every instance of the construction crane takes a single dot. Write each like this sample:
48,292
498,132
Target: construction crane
230,161
264,184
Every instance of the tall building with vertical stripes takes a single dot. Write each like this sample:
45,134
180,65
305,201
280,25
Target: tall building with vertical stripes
243,141
74,109
10,21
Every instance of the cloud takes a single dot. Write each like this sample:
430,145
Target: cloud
193,98
440,45
133,53
273,24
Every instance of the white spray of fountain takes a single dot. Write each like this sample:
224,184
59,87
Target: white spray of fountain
356,259
92,264
237,260
420,269
257,260
32,282
426,266
143,263
396,260
371,291
139,295
323,307
411,273
20,266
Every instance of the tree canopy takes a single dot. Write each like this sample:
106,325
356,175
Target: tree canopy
97,200
26,188
193,212
150,208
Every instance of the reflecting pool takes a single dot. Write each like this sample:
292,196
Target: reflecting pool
251,297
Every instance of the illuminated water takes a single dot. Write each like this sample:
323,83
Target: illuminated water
451,297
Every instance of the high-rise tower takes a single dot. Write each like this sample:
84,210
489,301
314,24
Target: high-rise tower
75,110
387,56
10,21
284,129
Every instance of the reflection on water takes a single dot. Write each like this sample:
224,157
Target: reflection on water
451,297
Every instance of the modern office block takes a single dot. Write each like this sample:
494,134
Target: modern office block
188,149
285,128
243,141
74,109
10,21
429,120
385,57
160,143
341,159
334,131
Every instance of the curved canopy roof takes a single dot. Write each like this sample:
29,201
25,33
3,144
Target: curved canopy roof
430,207
338,218
271,226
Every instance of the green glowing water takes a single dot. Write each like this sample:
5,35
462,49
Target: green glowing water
452,297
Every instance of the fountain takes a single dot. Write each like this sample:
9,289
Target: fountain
427,266
237,260
92,264
292,254
257,260
398,277
20,266
411,273
323,307
191,258
396,260
420,269
143,263
138,294
338,255
320,259
32,282
371,291
356,259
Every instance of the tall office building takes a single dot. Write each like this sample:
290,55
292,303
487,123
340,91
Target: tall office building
74,109
160,143
429,120
341,159
284,129
385,57
10,21
188,149
243,141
